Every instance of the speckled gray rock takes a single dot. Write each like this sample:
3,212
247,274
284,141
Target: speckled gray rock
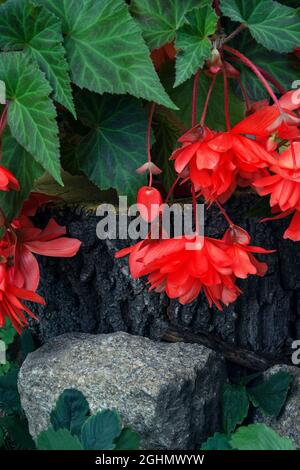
169,393
288,422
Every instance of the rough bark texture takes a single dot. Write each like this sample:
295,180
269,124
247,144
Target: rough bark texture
168,393
94,293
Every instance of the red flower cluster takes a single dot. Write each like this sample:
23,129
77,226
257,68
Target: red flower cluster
19,269
183,267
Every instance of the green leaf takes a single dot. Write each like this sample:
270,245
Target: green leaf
215,118
17,428
128,440
100,431
9,395
160,19
4,368
31,114
235,405
275,26
115,146
273,63
29,27
7,333
58,440
259,437
217,442
25,169
193,43
249,378
270,395
70,412
105,49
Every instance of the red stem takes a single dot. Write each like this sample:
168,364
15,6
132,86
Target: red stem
257,72
149,142
224,213
217,7
272,80
226,99
202,120
194,98
245,95
175,182
3,119
195,207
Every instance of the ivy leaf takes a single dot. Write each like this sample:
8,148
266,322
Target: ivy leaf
193,44
215,117
128,440
100,431
31,114
275,26
58,440
160,19
273,63
70,412
217,442
271,394
115,145
29,27
105,49
25,169
235,405
259,437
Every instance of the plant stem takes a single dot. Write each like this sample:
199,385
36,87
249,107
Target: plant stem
245,94
224,213
234,33
195,207
217,7
254,69
226,100
202,120
149,142
194,98
175,182
272,80
3,119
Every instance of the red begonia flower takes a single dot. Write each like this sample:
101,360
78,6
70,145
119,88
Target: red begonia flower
8,180
10,296
182,270
149,201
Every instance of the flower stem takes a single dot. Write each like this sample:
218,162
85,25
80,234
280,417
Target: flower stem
226,99
3,119
175,182
149,142
217,7
234,33
194,98
257,72
202,120
245,95
224,213
272,80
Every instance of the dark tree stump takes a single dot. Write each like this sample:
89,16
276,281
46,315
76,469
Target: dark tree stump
93,292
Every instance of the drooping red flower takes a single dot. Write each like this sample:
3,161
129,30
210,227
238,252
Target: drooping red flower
183,266
11,296
149,201
218,162
7,180
283,184
47,242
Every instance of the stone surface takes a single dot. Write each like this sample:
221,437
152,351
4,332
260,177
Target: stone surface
93,292
169,393
288,422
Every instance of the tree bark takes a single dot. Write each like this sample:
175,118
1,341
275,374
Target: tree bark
94,292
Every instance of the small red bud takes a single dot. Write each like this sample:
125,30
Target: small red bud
149,201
